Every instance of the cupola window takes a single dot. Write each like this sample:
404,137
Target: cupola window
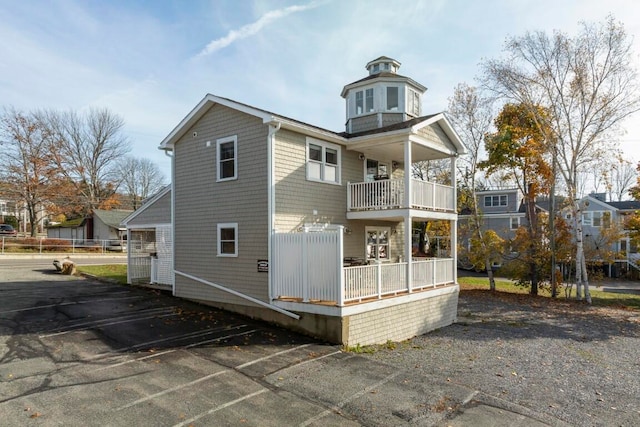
392,98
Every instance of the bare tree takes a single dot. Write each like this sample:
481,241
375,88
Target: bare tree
623,177
87,148
589,85
26,165
140,178
471,114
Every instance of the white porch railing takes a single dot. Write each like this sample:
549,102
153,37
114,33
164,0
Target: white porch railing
309,267
389,193
379,280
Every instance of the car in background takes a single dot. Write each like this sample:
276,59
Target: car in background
7,230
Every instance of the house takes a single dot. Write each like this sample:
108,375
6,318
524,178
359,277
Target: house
288,222
503,211
599,216
150,249
102,226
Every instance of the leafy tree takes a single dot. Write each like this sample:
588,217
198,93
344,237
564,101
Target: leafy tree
26,162
519,149
471,114
587,84
140,178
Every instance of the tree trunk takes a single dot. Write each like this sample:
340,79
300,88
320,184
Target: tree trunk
492,281
582,277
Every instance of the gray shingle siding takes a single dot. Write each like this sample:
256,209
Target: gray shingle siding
201,203
158,213
297,198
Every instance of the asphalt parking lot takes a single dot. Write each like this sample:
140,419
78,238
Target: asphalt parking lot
78,352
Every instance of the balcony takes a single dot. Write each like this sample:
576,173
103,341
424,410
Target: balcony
391,194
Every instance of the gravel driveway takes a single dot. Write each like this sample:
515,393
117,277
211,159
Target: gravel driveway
559,362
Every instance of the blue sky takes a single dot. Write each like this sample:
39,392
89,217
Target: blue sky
152,61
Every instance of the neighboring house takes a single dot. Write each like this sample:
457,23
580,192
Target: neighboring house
289,222
598,215
19,211
502,211
101,225
150,249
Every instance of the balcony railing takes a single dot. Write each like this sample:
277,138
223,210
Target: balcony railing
390,194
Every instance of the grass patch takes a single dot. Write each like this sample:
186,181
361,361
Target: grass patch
598,298
468,283
116,272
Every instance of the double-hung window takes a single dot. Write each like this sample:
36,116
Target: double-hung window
227,155
364,101
228,239
392,98
490,201
323,161
514,222
414,103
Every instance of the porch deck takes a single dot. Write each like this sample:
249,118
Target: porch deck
366,283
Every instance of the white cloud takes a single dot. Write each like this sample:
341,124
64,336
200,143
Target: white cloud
255,27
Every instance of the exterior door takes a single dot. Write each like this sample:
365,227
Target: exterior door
376,170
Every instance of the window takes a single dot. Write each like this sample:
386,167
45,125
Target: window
368,98
491,201
364,101
414,103
227,149
392,98
376,68
597,219
376,171
359,102
515,222
323,161
228,240
377,242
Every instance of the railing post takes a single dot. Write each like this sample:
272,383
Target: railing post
379,279
41,246
348,196
341,281
433,272
305,270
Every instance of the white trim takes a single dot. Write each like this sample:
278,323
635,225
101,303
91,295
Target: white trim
354,309
322,164
148,226
227,225
238,294
219,142
150,201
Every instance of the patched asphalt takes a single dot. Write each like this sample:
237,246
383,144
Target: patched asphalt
79,352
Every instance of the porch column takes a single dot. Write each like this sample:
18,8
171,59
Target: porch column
454,223
407,174
408,231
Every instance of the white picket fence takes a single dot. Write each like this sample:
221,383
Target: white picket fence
309,267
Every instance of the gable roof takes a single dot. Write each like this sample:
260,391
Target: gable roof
625,205
268,117
146,203
70,223
112,218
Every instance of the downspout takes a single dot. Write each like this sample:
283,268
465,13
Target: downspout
173,225
271,198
